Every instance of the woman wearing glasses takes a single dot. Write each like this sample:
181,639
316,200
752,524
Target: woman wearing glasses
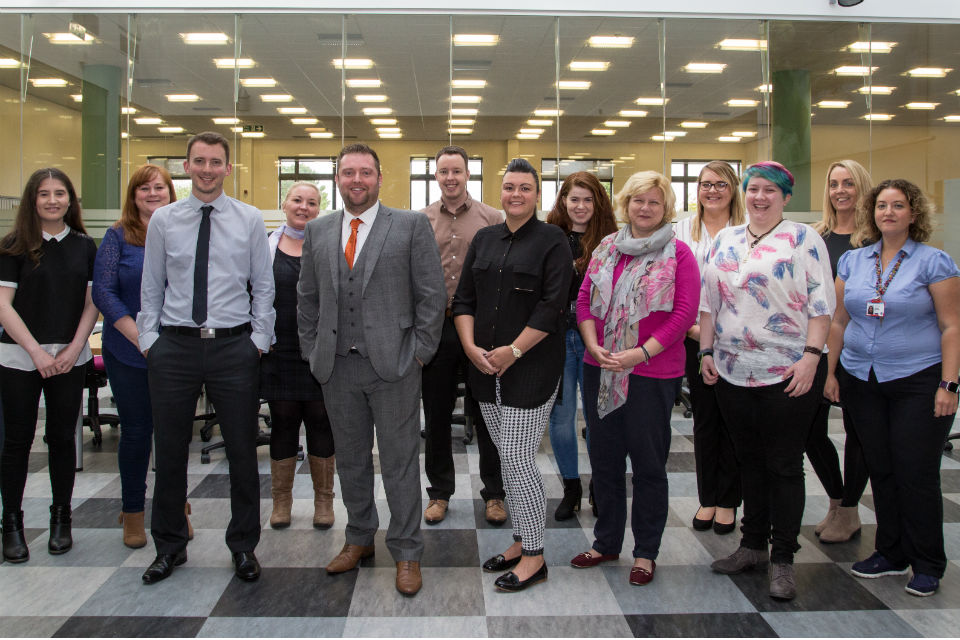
719,205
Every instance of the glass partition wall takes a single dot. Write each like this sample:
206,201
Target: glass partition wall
99,94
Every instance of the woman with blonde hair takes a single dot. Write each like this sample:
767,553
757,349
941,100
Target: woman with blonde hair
638,299
719,205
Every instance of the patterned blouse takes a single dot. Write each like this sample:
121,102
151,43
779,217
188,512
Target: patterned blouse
762,298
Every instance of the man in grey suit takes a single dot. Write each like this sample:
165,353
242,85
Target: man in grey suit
370,311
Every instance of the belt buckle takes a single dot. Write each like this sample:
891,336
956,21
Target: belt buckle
208,333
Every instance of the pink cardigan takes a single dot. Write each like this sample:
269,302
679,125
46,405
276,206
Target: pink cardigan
668,327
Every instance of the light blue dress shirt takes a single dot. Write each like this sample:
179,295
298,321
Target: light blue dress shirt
907,339
239,254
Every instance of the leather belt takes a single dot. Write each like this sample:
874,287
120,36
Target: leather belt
202,332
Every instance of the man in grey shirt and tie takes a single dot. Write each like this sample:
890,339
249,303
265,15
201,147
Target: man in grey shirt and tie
206,316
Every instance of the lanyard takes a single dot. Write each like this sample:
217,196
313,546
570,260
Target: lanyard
882,288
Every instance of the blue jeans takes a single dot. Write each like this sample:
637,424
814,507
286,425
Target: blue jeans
563,417
130,390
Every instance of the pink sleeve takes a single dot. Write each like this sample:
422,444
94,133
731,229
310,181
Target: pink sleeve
583,301
686,299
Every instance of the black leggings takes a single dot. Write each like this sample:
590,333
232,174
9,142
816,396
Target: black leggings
826,463
286,417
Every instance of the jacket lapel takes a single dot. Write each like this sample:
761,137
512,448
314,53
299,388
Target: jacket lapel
374,243
334,254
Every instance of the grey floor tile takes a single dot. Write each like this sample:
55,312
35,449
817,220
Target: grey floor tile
565,585
890,590
300,548
933,623
97,513
698,625
129,627
453,591
416,627
820,587
848,624
91,548
30,626
288,593
451,548
48,591
326,627
559,626
675,589
188,592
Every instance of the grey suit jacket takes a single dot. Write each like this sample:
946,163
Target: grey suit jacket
403,293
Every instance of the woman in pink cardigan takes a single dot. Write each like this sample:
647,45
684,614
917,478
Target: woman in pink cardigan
638,299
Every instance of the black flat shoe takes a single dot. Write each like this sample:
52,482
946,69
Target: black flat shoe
510,582
498,563
163,566
722,529
246,565
61,538
14,543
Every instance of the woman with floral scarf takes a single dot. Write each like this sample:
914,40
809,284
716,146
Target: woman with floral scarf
637,300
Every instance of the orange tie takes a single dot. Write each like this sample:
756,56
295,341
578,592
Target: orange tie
351,247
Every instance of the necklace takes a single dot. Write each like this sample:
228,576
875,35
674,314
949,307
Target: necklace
758,238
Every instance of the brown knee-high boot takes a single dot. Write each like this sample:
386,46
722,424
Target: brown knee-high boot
281,480
321,470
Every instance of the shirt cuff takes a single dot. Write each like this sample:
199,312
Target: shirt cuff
146,340
262,341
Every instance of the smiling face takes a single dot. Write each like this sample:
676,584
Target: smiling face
892,213
207,167
720,194
358,181
765,202
452,177
579,204
645,212
151,195
842,191
518,196
301,205
53,201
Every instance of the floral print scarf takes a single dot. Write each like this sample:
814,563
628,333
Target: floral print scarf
645,285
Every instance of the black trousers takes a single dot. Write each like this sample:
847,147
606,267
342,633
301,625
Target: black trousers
228,368
847,486
439,392
63,395
902,445
718,474
769,431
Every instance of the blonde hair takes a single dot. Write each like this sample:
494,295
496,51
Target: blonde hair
725,171
862,182
301,183
641,182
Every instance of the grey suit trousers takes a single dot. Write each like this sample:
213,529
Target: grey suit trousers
357,399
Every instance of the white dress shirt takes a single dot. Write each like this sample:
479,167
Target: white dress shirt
367,218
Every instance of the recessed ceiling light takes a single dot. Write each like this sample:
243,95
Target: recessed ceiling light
536,131
302,121
276,97
741,102
548,113
952,118
602,132
48,82
258,82
321,134
387,136
124,135
252,134
226,121
127,111
877,116
652,102
383,121
149,120
9,63
465,99
589,65
170,129
854,70
388,129
292,111
578,85
234,63
928,72
610,42
693,124
315,129
461,122
475,39
870,47
459,131
632,113
742,44
660,138
675,134
377,111
370,97
728,139
764,88
535,122
464,111
205,38
468,83
182,97
922,106
69,38
833,104
77,97
236,129
363,83
744,134
528,136
352,63
876,90
617,124
705,67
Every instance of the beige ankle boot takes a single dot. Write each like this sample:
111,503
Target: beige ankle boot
844,525
834,504
187,511
134,534
281,481
321,470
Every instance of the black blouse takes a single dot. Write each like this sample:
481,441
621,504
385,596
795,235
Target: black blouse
511,281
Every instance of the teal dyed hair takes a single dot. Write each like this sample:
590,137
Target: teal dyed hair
772,171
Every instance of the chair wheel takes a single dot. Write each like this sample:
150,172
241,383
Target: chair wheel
687,413
204,458
423,433
300,455
206,436
467,439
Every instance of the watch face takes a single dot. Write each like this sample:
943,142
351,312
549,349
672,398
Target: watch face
949,386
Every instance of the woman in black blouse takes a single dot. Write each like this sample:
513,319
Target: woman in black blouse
509,314
46,266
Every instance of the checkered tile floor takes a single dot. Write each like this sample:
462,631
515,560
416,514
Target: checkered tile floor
95,589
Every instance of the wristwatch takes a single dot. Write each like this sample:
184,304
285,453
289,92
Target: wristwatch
952,387
517,353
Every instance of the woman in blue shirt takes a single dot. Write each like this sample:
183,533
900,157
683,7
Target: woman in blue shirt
898,326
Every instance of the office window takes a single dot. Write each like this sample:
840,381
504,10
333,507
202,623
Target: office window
174,166
550,181
319,171
424,188
683,179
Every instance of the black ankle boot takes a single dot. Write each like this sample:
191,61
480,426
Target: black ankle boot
61,539
593,505
572,494
14,544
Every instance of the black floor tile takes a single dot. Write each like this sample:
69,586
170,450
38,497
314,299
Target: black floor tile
700,625
449,548
97,513
288,593
129,627
820,587
858,548
217,485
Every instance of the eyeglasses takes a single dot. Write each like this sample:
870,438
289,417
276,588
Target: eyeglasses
719,186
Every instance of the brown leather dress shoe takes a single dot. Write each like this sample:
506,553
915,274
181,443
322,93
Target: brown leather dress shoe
349,557
436,511
408,577
496,512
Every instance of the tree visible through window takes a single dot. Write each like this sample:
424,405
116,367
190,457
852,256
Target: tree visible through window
551,179
319,171
424,188
683,179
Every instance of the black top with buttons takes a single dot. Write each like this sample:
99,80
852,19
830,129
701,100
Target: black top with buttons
511,281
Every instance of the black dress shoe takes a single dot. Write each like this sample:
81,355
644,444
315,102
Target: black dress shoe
722,529
163,566
498,563
14,543
700,524
510,582
61,539
246,565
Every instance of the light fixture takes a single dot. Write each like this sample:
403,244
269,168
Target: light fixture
548,113
388,129
258,82
952,118
387,136
468,83
693,124
853,70
617,124
292,111
352,63
464,111
651,102
741,102
363,83
475,39
602,132
528,136
234,63
236,129
276,97
321,134
833,104
744,134
9,63
880,117
922,106
77,97
377,111
632,113
383,121
876,90
728,139
370,97
124,135
170,129
742,44
610,42
535,122
464,99
675,134
69,38
182,97
589,65
459,131
535,131
48,82
704,67
461,122
660,138
304,121
870,47
252,134
764,88
577,85
928,72
205,38
226,121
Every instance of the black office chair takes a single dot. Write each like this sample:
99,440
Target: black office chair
210,420
97,379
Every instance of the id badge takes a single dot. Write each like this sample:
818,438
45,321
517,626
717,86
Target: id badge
875,308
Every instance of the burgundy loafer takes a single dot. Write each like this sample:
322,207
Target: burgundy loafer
585,560
640,576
